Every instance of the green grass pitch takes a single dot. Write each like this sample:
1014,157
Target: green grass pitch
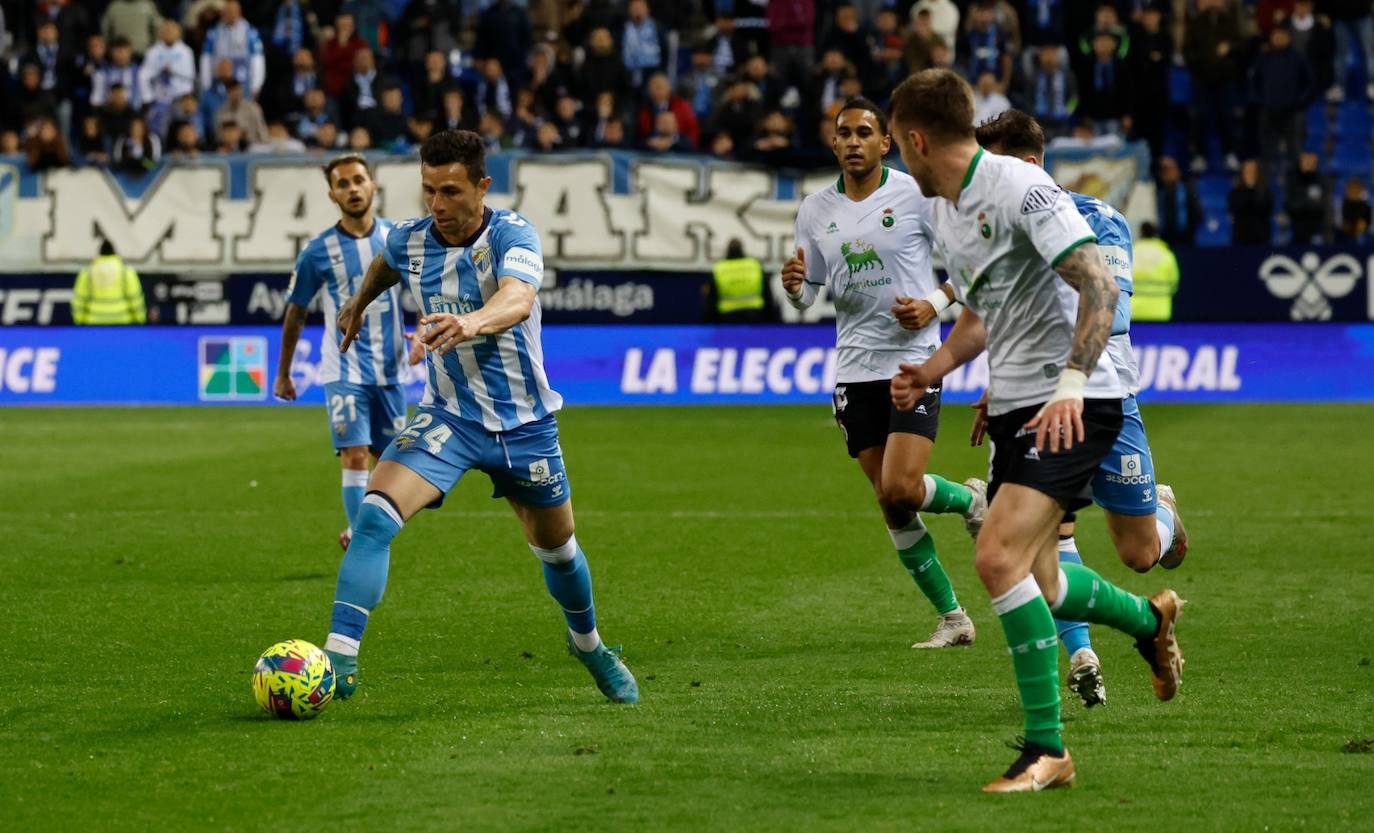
738,558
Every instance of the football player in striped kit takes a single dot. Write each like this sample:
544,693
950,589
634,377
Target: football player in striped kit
365,389
475,274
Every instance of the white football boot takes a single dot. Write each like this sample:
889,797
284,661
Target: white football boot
1085,678
978,509
954,629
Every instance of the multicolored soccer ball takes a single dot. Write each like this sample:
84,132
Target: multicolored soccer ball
293,680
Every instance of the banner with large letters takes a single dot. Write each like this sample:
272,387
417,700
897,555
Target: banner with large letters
661,365
617,210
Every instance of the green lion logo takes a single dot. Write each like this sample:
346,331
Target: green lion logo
860,256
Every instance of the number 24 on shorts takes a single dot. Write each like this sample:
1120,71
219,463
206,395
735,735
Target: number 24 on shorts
433,439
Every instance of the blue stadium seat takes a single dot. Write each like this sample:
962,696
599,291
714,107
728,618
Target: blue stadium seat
1353,120
1216,230
1351,157
1317,121
1213,191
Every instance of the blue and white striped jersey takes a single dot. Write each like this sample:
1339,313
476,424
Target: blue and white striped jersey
336,262
496,380
1115,242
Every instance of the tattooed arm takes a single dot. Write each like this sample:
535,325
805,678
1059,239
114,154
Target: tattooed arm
1060,421
380,277
1084,270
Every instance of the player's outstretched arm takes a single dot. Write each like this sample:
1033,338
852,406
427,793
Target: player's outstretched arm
291,325
967,339
1084,270
380,277
1061,420
511,304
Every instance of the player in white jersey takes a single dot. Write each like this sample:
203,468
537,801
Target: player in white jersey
365,392
867,239
475,274
1039,298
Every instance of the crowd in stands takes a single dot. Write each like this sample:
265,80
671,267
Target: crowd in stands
1206,83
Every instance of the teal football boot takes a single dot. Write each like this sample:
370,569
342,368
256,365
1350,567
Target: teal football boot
345,675
610,674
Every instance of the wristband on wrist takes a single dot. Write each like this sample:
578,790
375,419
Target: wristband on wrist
1070,386
938,299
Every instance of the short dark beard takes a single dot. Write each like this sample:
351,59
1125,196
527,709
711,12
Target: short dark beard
358,215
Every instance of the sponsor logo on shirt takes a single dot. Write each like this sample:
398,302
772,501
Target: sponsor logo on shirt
1039,198
524,262
860,256
832,229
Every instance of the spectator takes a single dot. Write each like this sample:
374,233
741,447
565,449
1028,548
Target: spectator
547,138
722,146
792,37
599,117
603,71
1106,21
428,90
834,69
54,64
316,111
503,34
1283,86
889,42
212,99
1150,61
1251,206
847,35
643,46
699,85
1156,277
456,115
1084,136
494,91
88,64
290,29
337,54
73,22
108,291
550,76
1105,88
427,26
725,40
30,101
736,111
1177,205
1051,90
137,151
91,145
944,18
198,17
493,130
659,98
359,139
1355,213
123,70
168,73
1353,20
279,141
1043,22
187,109
920,44
363,88
9,143
775,140
1211,48
185,145
326,138
387,124
45,148
666,136
760,74
370,16
244,112
135,21
1314,39
985,48
236,39
611,136
117,112
420,128
1008,21
567,117
988,101
1307,202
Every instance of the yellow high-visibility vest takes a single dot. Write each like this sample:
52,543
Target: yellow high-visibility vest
739,285
1156,281
108,292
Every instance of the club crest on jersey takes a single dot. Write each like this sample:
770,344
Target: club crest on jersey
888,220
481,258
984,228
861,256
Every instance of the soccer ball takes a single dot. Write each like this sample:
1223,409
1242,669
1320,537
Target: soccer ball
293,680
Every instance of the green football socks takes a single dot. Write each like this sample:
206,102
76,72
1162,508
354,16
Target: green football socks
916,549
944,496
1034,649
1084,596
